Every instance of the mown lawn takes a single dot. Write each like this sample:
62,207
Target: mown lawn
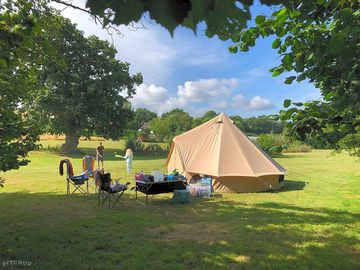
312,223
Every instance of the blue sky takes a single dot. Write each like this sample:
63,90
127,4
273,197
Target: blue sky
198,74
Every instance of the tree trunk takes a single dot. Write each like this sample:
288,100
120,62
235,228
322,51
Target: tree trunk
71,144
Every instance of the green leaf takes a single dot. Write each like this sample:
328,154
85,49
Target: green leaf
290,112
233,49
246,37
287,103
287,62
280,31
96,7
128,11
337,44
328,96
300,78
289,80
2,62
244,47
276,44
281,15
277,71
295,13
260,19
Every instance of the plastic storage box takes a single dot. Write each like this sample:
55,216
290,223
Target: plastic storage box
181,196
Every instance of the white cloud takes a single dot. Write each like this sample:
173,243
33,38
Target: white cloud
197,97
257,103
206,89
149,95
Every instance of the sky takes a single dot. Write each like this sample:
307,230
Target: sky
196,73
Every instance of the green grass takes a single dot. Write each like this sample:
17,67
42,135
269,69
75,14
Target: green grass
312,223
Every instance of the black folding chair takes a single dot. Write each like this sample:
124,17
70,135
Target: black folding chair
106,194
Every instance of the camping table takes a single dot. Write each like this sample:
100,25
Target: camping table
152,188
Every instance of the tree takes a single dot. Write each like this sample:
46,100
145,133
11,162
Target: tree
162,128
206,117
238,121
318,41
18,134
20,59
171,124
84,88
262,124
142,116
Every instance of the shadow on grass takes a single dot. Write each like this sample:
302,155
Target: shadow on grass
292,185
59,231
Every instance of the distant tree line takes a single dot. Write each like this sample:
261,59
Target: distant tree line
177,121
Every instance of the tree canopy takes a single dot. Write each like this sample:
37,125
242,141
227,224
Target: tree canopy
171,124
31,69
87,90
322,47
20,59
224,18
141,116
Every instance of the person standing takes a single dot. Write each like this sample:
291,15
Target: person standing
128,158
100,155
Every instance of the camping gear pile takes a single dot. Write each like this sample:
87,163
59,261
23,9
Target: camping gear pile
202,188
158,176
157,183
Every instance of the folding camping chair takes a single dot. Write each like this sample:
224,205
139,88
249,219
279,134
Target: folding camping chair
106,193
76,182
88,169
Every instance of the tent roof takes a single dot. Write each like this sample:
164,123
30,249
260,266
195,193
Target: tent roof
219,148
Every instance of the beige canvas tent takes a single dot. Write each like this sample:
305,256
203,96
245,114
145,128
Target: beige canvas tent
219,149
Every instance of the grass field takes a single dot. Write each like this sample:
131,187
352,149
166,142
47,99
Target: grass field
312,223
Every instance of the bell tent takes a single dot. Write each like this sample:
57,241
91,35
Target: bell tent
219,149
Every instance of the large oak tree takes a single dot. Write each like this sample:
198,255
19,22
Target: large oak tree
86,89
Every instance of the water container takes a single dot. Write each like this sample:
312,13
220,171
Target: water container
158,176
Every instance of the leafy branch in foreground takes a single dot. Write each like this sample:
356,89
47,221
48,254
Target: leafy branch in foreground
319,42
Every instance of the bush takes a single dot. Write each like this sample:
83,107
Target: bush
271,143
297,147
351,143
134,145
154,148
